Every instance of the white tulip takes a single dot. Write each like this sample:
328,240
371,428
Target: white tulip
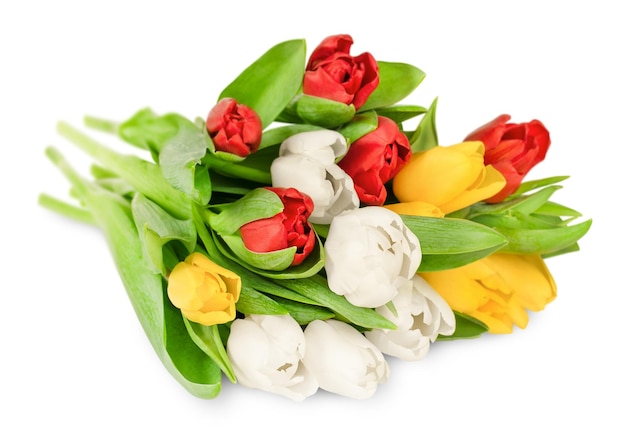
266,353
306,162
420,315
367,250
343,360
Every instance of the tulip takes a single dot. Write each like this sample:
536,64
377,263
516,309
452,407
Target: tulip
266,353
367,249
497,290
448,177
333,73
513,149
376,158
420,315
306,162
234,128
343,360
205,292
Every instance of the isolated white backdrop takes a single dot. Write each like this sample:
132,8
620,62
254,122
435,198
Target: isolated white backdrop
77,369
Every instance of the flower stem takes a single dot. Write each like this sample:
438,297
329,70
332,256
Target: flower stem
65,209
101,124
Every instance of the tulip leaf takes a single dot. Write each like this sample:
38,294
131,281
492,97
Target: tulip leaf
275,136
161,322
400,113
534,184
304,313
542,241
144,176
360,125
425,136
270,82
449,242
260,203
466,327
316,287
322,111
178,159
237,170
156,227
554,209
252,301
397,81
207,338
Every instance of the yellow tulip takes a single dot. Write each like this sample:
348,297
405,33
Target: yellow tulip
497,290
448,177
205,292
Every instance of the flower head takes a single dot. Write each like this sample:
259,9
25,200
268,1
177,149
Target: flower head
343,360
234,128
497,290
513,149
367,250
448,177
333,73
266,352
376,158
205,292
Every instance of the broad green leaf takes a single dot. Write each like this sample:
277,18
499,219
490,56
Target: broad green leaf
425,136
304,313
397,81
275,136
360,125
554,209
258,204
466,327
543,241
400,113
237,170
449,243
178,159
252,301
161,322
317,289
270,82
322,112
277,260
534,184
532,202
156,227
208,339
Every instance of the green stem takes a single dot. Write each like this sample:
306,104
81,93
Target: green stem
144,176
65,209
101,124
238,170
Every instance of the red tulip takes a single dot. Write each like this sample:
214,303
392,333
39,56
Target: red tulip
333,74
234,128
512,149
286,229
376,158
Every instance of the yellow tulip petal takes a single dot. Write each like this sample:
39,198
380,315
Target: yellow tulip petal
492,182
416,208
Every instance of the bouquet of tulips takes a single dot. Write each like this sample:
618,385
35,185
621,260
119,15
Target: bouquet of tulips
310,225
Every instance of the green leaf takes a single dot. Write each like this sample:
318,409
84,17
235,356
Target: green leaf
316,287
530,185
275,136
304,313
425,136
554,209
360,125
208,339
156,227
269,83
397,81
449,242
466,327
178,158
161,322
322,112
542,241
400,113
252,301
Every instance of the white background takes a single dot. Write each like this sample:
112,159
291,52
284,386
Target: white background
76,367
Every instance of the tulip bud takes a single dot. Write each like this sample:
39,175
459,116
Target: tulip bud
234,128
266,353
268,228
420,315
205,292
513,149
343,360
